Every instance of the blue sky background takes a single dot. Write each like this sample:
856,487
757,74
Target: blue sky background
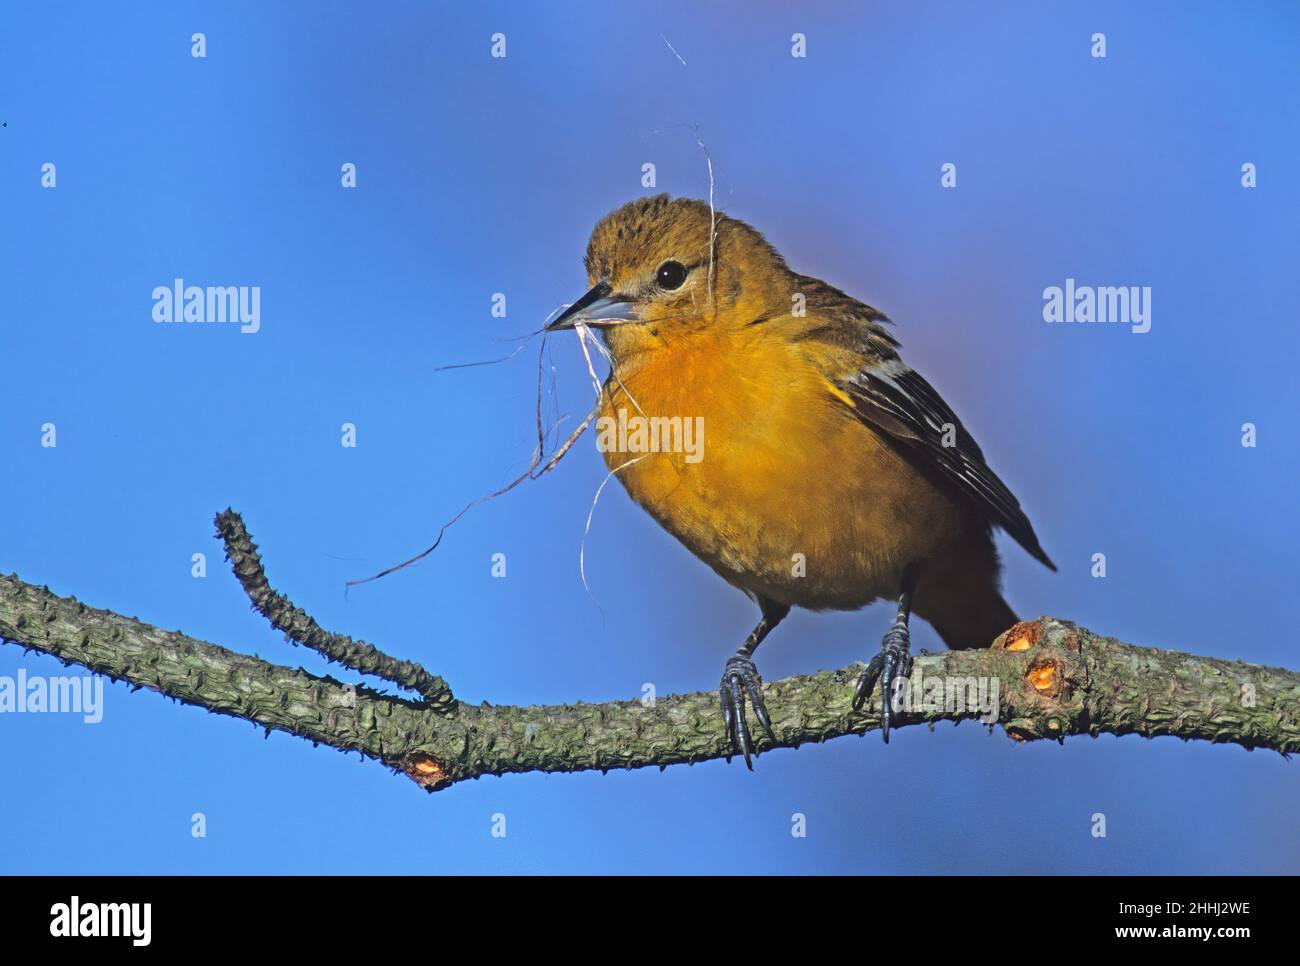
480,175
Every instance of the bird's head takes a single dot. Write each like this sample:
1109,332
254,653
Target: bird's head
661,268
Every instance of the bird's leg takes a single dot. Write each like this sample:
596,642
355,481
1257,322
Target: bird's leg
740,678
893,662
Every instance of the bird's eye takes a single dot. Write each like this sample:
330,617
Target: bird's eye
671,275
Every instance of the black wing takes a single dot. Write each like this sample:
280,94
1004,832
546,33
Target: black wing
890,396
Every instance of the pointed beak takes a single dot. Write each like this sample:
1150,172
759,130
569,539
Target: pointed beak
599,307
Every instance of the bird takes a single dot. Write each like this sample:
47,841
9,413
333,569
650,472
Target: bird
831,473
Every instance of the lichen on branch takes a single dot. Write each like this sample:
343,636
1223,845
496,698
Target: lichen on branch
1052,679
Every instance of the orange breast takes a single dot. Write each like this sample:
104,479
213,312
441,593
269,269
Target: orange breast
764,473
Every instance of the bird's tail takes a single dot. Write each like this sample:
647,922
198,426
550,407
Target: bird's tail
970,622
959,595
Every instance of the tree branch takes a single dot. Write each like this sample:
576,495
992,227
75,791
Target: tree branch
1050,677
300,628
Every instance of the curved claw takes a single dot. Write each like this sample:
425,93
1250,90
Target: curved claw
740,679
893,662
866,681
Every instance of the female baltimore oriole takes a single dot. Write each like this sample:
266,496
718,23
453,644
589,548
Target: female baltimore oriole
832,474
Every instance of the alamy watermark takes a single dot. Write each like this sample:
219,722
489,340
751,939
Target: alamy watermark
237,304
131,920
651,434
37,694
1122,304
951,694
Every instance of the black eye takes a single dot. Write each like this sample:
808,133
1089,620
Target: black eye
670,275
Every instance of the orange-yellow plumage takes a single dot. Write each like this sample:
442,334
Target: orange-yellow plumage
830,473
792,499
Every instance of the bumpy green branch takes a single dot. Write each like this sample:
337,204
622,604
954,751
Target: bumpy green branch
1051,679
299,627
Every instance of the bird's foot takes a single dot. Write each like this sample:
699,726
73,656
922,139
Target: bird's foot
894,662
740,678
